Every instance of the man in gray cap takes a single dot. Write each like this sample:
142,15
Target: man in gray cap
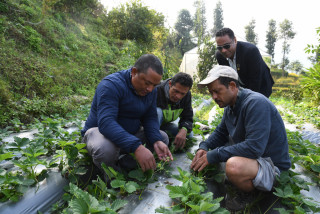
258,150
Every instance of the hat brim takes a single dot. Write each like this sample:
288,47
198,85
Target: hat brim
206,82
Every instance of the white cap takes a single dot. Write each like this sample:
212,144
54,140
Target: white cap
216,72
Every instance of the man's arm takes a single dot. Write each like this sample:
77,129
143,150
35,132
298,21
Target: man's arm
254,69
217,138
257,123
108,96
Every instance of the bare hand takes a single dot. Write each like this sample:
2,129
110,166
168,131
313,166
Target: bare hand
180,139
162,151
145,158
200,160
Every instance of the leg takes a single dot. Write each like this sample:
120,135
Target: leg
241,172
100,148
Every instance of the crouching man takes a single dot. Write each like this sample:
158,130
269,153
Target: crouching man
259,147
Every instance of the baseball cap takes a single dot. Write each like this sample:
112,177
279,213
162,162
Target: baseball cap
216,72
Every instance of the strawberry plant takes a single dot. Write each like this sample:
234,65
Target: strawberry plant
83,202
191,196
288,189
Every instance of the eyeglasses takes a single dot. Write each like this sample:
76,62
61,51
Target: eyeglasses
225,46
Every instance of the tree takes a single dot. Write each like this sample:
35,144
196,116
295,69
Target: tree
183,27
251,36
295,66
206,58
217,18
75,7
135,22
315,49
271,38
200,21
286,33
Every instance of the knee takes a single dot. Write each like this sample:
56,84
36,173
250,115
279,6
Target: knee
165,137
233,167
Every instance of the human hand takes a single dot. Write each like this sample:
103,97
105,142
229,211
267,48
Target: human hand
162,151
145,158
199,161
180,139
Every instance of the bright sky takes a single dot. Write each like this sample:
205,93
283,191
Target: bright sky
304,15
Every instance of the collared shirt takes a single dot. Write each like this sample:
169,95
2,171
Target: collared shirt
233,62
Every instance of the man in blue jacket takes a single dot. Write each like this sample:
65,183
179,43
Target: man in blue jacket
246,60
259,146
123,117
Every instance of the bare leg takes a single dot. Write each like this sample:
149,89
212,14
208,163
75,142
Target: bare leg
241,171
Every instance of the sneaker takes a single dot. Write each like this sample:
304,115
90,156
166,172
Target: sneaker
239,201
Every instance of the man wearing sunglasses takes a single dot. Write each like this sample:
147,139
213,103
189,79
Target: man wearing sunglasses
246,59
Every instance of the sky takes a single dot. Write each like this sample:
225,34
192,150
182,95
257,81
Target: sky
304,15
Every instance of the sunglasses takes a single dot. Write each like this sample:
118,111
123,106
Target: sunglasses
226,46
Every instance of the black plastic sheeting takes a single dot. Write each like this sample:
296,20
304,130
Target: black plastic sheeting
38,198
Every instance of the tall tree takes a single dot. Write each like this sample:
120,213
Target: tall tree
251,36
183,27
200,21
271,38
286,34
217,18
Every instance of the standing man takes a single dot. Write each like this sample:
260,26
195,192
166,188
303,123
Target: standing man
174,101
246,60
123,117
259,146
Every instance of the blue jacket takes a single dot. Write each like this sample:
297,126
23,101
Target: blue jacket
256,128
252,70
119,112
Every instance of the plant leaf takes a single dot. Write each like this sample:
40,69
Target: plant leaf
117,204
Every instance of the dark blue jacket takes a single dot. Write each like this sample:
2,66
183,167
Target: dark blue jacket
252,70
256,129
119,112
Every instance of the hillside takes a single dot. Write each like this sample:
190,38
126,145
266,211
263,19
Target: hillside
54,53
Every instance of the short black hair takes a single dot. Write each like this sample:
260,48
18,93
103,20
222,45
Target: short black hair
147,61
183,78
226,80
225,31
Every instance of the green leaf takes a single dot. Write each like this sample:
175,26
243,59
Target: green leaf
137,174
80,146
80,171
118,204
205,206
5,156
315,167
194,187
176,191
79,206
194,207
309,203
288,191
117,183
190,155
131,186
